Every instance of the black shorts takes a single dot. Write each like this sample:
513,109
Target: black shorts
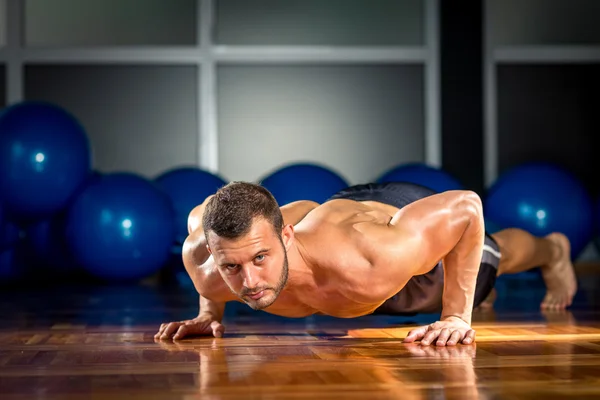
422,293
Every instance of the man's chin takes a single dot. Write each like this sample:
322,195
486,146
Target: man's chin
261,303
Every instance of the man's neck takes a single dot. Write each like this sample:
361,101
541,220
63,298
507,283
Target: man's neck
301,274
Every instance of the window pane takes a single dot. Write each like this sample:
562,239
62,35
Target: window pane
534,22
139,118
549,112
110,22
318,22
359,120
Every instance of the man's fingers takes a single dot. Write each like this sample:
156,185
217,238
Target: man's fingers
444,335
415,334
181,329
430,337
470,337
217,329
193,328
454,338
182,332
170,329
157,334
160,331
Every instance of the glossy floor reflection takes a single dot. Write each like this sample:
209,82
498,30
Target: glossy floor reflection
98,343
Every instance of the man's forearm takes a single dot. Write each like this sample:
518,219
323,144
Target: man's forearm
461,267
212,308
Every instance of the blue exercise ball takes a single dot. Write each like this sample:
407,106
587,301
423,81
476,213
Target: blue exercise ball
422,174
120,227
303,181
187,187
44,157
542,198
46,239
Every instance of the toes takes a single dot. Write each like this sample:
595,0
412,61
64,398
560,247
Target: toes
547,303
554,304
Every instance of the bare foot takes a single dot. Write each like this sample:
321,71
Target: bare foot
559,275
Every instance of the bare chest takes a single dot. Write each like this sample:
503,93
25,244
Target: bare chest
335,301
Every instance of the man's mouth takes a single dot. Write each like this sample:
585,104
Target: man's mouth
257,295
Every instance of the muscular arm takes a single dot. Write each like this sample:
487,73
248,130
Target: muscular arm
461,264
195,255
448,227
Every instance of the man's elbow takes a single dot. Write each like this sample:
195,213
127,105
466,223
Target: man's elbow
472,207
472,201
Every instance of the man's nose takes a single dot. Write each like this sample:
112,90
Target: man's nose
251,278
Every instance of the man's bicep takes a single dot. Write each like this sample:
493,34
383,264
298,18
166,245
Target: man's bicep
436,223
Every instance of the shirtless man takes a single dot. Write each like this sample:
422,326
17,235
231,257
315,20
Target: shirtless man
392,248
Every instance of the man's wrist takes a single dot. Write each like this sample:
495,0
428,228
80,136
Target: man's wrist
462,317
208,315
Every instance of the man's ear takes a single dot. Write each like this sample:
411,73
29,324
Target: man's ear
208,249
287,235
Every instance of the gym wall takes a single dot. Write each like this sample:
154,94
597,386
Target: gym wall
2,25
139,118
541,64
549,113
547,68
157,86
357,118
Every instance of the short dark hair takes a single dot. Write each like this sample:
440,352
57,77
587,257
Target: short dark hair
234,207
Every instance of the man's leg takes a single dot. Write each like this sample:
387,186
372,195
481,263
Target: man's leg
522,251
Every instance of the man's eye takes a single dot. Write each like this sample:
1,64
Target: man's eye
231,267
260,257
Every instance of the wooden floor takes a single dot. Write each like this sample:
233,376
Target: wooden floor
98,343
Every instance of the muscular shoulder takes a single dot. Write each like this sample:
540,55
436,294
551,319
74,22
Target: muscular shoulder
195,216
202,270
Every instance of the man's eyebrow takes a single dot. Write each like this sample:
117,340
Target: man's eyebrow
261,251
265,250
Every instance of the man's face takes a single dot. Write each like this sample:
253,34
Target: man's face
254,266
